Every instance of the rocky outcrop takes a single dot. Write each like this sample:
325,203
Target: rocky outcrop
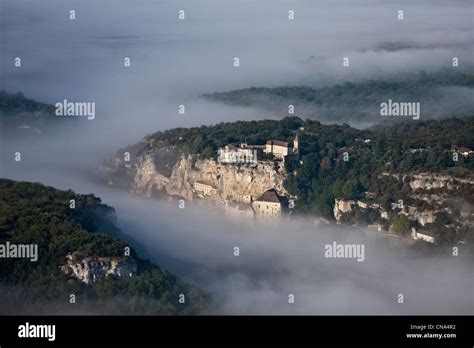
233,182
423,217
431,202
345,206
429,181
342,207
92,269
146,179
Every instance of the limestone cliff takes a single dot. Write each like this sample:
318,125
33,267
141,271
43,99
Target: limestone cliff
234,182
430,181
341,207
93,269
428,199
345,206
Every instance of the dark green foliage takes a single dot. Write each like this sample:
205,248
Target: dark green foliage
348,101
17,103
23,116
401,224
168,146
17,111
323,175
35,214
206,140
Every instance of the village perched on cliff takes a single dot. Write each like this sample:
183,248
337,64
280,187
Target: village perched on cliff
273,202
413,182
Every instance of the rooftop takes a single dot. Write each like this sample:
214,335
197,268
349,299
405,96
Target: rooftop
231,147
277,143
426,233
269,196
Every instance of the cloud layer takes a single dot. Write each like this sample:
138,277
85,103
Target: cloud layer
173,62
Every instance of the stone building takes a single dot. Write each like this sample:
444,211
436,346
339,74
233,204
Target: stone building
422,235
268,206
204,188
282,149
240,211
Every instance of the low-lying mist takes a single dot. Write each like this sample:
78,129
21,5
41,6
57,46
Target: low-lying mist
288,258
173,63
197,243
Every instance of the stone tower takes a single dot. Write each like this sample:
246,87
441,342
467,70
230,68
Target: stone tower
296,144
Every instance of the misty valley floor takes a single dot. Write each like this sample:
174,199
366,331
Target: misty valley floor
274,262
283,268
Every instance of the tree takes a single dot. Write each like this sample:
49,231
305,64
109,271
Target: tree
401,224
208,152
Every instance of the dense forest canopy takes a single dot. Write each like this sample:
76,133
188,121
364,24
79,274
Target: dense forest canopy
324,175
321,175
11,103
386,142
351,101
21,115
31,213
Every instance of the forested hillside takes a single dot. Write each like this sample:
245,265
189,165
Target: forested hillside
354,101
379,165
23,116
31,213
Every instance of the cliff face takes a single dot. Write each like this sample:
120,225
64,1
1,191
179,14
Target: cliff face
344,206
341,207
427,181
429,198
93,269
232,182
430,181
